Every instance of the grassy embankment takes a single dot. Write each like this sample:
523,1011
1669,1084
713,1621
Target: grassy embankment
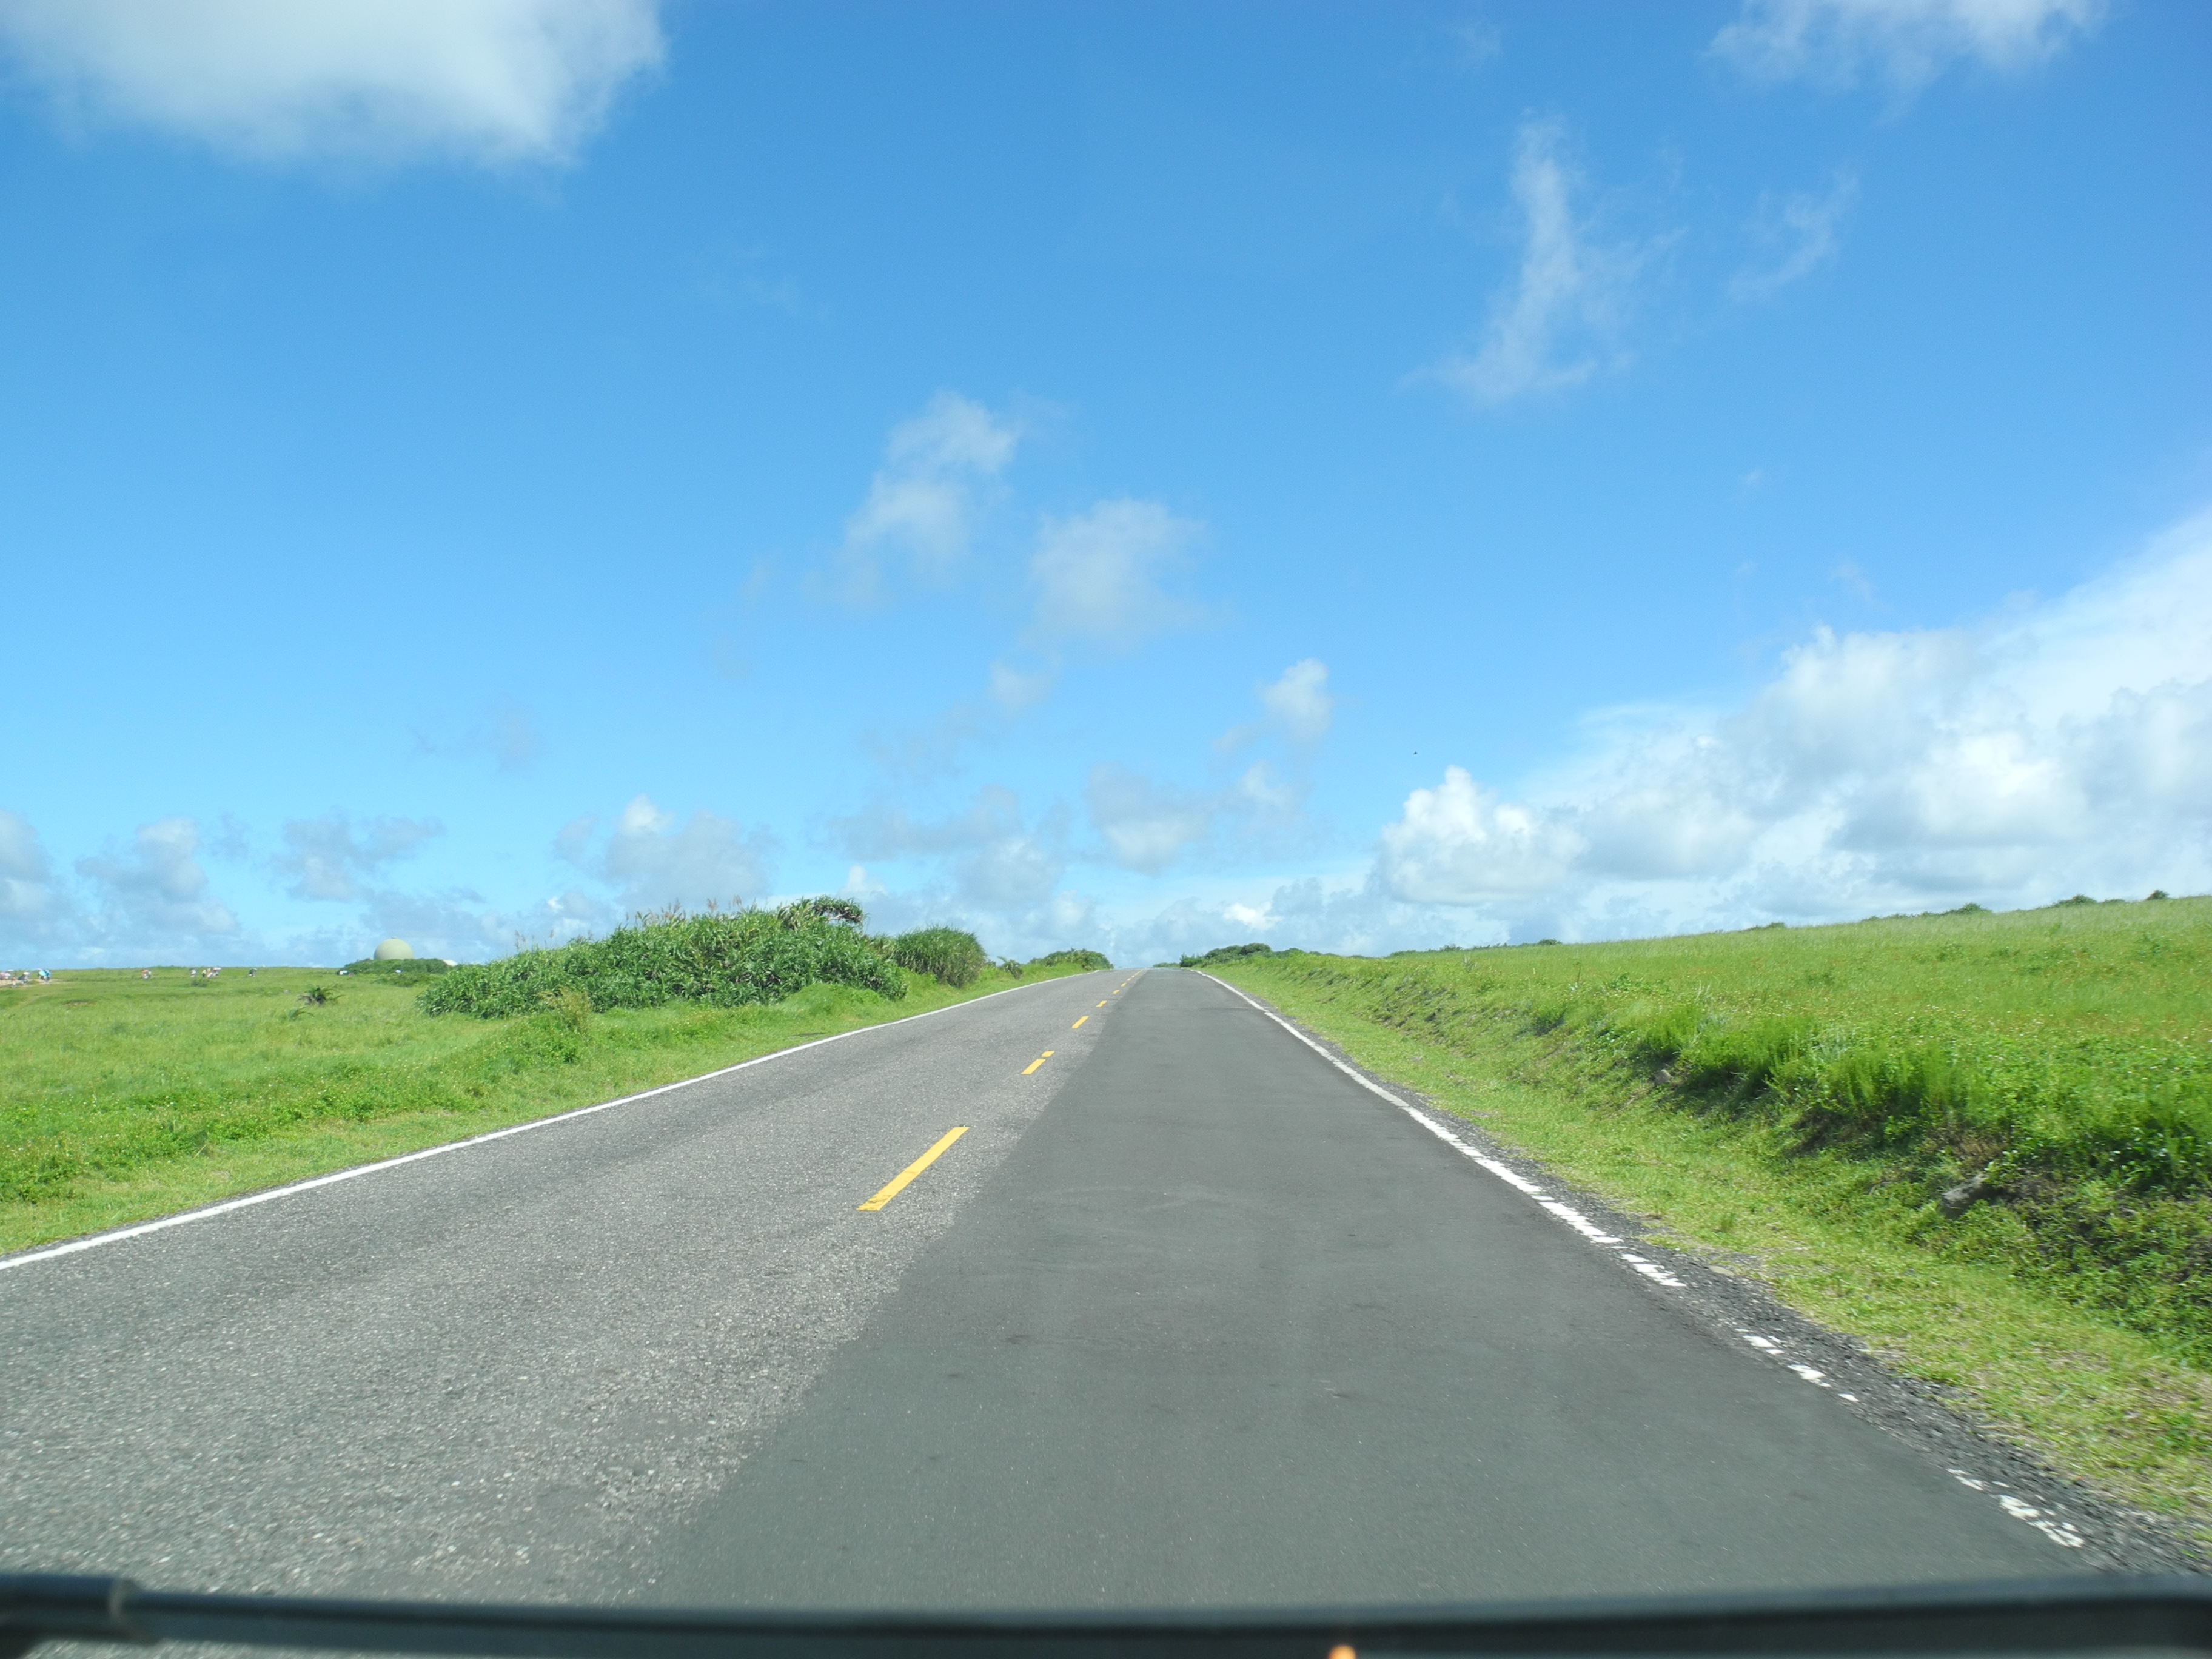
124,1099
1793,1105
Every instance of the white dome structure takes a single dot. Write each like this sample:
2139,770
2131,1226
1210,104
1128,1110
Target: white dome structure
395,949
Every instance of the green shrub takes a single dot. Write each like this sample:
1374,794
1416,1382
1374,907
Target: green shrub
945,954
1227,953
1090,960
409,968
723,960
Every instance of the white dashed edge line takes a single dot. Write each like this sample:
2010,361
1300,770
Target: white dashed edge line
227,1205
1513,1178
2057,1531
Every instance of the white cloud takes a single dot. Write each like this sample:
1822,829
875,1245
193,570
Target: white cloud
1147,826
487,81
653,859
1907,43
154,890
1458,844
1102,576
1555,326
28,899
935,481
1017,691
997,861
1806,226
326,858
2066,749
1300,701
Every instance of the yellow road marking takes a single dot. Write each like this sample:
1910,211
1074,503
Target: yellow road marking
1079,1024
899,1182
1038,1061
1102,1005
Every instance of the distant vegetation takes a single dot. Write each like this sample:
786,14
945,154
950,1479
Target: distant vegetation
1227,953
726,960
2035,1087
1088,962
414,970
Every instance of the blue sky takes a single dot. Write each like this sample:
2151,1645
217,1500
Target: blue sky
1145,476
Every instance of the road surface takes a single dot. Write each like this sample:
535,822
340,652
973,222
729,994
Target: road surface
1188,1315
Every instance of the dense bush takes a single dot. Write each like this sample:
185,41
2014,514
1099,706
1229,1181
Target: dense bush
1087,960
1227,953
725,960
944,953
407,969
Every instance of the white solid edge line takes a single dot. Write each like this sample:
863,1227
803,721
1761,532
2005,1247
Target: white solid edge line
95,1240
1512,1178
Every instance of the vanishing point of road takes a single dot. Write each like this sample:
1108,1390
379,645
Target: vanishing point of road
1186,1314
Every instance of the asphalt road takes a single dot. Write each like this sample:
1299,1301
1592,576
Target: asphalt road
1186,1316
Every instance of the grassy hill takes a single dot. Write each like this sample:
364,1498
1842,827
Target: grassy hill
1983,1142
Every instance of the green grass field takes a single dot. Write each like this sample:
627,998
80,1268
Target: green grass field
1795,1104
122,1099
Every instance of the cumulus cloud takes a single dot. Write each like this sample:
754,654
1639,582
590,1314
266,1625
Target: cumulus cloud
1458,844
1556,324
329,858
1907,43
1805,228
655,860
154,889
937,478
2068,748
486,81
1106,576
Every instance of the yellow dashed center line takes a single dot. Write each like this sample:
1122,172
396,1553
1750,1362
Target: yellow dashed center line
1079,1024
899,1182
1102,1005
1038,1061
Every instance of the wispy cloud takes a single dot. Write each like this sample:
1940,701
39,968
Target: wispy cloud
485,81
998,860
1147,826
1905,42
155,889
1108,576
1805,228
652,859
1558,323
1299,705
936,480
1300,701
329,858
28,899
